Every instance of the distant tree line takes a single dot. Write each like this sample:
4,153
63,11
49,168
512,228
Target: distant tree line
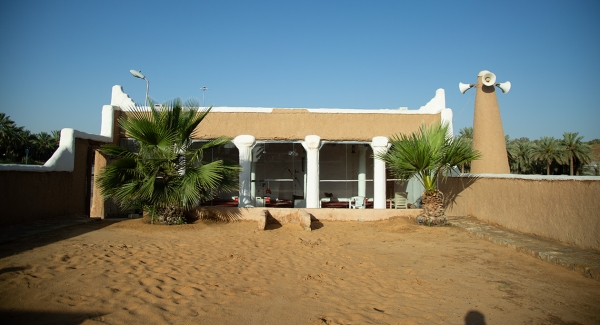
547,155
19,146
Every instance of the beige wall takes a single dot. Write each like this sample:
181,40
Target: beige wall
102,208
296,124
566,209
28,196
288,215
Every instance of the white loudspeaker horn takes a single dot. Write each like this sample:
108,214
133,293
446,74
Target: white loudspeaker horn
488,78
464,87
504,86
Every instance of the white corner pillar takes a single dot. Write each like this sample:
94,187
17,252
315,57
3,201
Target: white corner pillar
245,143
379,146
255,157
311,144
362,170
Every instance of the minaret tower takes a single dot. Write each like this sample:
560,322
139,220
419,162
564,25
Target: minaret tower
488,134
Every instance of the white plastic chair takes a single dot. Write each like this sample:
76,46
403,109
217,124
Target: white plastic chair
357,202
400,200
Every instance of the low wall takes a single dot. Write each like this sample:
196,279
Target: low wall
32,195
288,215
562,208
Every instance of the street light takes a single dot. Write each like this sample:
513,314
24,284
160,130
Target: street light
203,90
138,74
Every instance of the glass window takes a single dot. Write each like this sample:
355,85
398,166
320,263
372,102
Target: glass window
129,144
346,170
278,174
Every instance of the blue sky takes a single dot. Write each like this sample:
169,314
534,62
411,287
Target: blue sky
61,58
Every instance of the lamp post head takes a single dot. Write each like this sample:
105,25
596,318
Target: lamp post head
137,74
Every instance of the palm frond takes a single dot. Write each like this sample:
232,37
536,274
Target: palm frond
425,153
165,172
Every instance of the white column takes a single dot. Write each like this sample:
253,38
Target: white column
255,156
362,170
245,143
311,144
379,146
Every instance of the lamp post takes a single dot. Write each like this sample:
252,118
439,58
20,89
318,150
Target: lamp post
204,89
138,74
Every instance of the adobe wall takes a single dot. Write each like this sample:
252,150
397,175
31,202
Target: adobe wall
296,124
563,208
291,215
33,195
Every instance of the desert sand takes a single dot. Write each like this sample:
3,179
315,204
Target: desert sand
384,272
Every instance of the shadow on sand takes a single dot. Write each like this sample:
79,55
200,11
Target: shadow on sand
271,223
315,223
43,238
473,317
44,317
224,214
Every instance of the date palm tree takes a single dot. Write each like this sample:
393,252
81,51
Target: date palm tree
549,150
521,153
427,153
11,138
44,146
467,134
576,149
166,176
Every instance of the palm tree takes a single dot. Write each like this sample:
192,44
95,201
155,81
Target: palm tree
55,138
427,153
548,150
7,127
22,144
521,153
44,145
467,134
575,149
166,177
11,137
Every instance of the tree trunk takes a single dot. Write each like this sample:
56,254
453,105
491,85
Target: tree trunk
433,209
571,164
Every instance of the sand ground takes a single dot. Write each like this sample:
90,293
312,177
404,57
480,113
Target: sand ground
385,272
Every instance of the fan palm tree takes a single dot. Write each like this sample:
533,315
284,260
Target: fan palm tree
521,153
576,149
427,153
166,177
548,150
